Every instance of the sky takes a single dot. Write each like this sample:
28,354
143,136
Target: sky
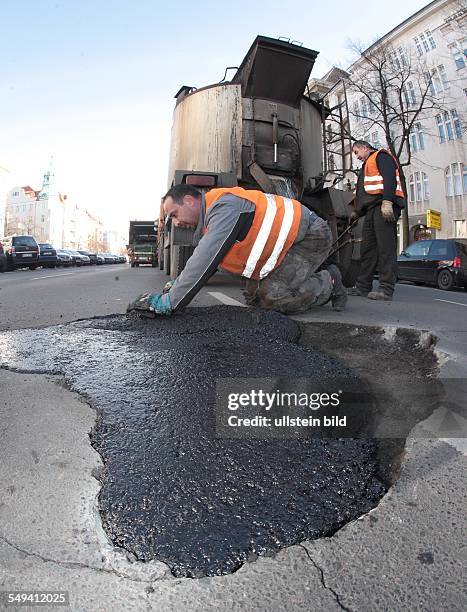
91,84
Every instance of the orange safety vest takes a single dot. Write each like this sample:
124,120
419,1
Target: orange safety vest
272,233
372,179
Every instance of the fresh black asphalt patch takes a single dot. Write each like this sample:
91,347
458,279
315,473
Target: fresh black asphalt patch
171,489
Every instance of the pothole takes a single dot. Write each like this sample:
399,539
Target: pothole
172,489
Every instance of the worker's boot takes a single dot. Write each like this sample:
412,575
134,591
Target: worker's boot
379,295
338,293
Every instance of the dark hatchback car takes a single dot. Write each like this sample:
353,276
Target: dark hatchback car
47,255
21,252
441,262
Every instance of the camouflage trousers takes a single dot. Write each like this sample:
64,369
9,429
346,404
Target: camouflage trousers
295,286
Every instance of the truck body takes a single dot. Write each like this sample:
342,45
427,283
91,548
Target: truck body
257,131
142,243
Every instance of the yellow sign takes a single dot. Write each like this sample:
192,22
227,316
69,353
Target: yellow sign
433,219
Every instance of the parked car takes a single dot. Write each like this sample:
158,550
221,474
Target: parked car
21,252
78,259
64,258
47,255
94,257
441,262
2,259
108,258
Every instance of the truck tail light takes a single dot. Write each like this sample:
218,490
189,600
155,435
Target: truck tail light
200,180
456,262
13,250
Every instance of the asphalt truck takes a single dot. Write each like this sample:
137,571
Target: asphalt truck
142,243
257,131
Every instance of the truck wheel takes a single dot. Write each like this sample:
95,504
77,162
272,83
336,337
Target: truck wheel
445,280
160,254
179,256
350,274
32,267
132,264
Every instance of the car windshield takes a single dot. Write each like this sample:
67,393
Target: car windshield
46,246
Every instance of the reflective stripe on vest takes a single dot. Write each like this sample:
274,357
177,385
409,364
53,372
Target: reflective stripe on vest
272,232
373,181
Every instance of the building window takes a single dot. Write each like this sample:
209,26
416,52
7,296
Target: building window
15,194
375,140
455,177
459,228
459,53
437,80
409,93
419,187
449,126
364,107
431,40
424,42
398,58
356,111
417,138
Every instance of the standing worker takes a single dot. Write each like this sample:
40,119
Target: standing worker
273,241
380,198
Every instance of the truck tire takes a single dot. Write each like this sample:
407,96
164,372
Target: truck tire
179,256
167,261
160,253
350,275
350,268
132,264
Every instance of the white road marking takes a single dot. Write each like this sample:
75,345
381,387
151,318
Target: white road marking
225,299
52,276
450,302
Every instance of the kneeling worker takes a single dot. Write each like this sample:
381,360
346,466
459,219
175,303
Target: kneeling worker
273,241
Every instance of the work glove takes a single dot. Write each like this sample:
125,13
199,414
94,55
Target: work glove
150,305
387,211
354,215
167,286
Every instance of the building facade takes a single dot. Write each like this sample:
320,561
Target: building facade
429,53
51,217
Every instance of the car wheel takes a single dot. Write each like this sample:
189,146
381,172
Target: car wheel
445,280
